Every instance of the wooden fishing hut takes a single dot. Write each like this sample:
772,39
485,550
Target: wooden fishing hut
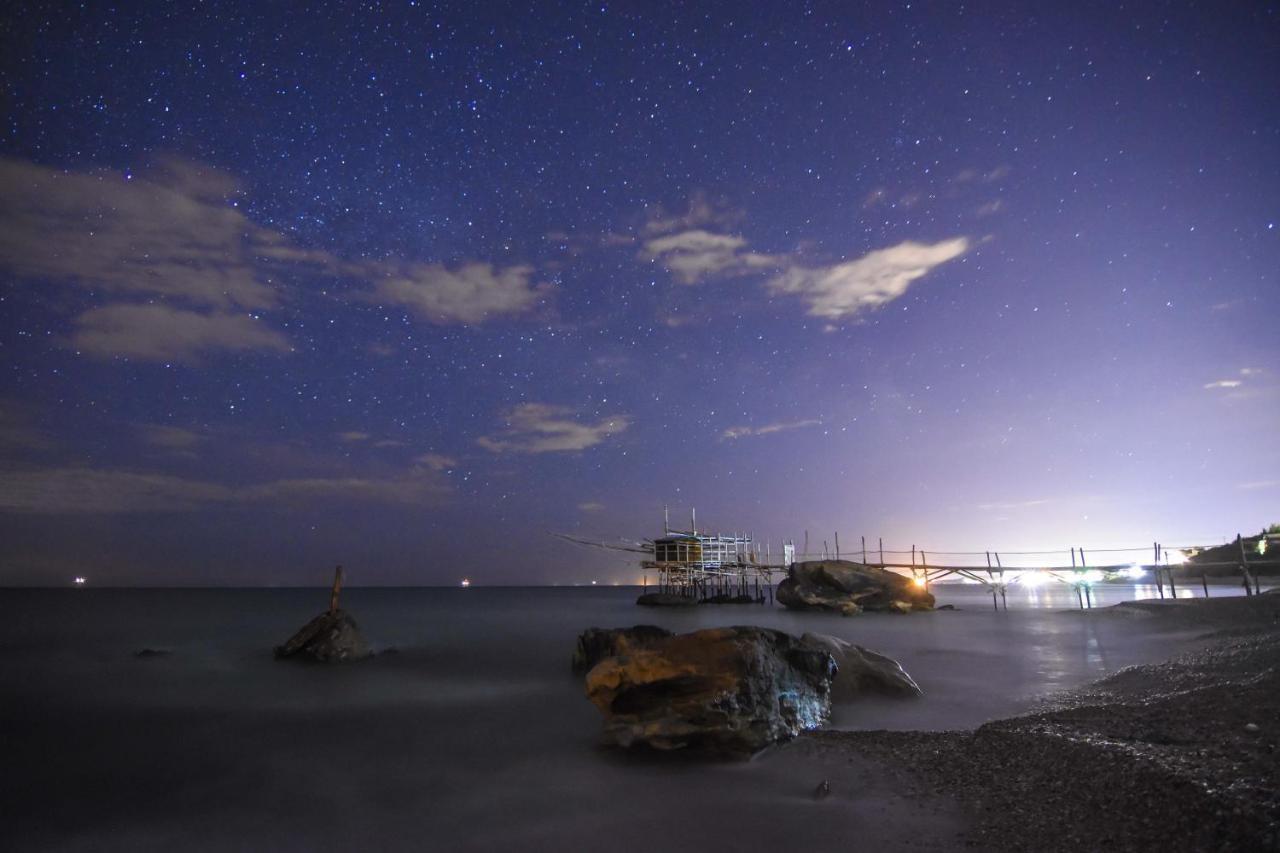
711,567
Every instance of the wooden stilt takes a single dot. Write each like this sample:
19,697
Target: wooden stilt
1159,583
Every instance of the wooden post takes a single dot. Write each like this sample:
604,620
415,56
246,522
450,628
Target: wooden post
337,588
924,564
882,552
1244,565
1204,581
992,578
1159,583
1173,590
805,553
837,544
864,550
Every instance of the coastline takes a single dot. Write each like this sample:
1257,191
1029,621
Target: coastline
1178,755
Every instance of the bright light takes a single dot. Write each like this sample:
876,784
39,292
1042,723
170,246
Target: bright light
79,581
1175,557
1135,571
466,582
918,581
1092,576
1262,544
1032,578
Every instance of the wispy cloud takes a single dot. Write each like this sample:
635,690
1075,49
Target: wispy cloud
163,333
112,491
1259,484
186,273
698,255
437,461
170,437
170,234
702,212
543,428
1004,506
352,436
745,431
472,293
1245,373
850,288
590,506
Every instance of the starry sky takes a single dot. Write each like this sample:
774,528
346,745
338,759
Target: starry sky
407,285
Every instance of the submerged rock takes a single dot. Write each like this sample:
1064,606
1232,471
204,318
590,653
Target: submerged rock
861,669
665,599
724,690
596,644
152,653
331,637
846,587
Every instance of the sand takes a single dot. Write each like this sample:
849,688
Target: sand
1180,755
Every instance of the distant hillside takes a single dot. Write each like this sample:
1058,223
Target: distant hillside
1266,562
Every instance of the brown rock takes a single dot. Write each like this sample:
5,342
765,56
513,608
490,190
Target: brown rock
724,690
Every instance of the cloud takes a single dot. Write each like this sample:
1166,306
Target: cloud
1244,372
437,461
173,239
169,437
702,212
542,428
168,234
696,255
113,491
590,506
353,436
470,294
744,431
163,333
16,429
853,287
1259,484
87,490
1004,506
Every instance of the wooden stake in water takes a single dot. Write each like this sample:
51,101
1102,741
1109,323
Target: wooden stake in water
337,588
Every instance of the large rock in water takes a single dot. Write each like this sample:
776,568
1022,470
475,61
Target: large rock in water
331,637
596,644
862,669
724,690
847,587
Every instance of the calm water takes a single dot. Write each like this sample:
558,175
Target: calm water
475,736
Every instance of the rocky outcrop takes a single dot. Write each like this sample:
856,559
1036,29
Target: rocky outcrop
596,644
862,670
723,690
846,587
331,637
666,599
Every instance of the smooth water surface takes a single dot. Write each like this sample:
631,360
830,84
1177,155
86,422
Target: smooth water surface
474,735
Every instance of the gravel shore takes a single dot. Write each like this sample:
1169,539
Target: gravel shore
1175,756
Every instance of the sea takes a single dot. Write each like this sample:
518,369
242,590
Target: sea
472,733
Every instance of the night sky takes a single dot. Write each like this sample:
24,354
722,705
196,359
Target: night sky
407,285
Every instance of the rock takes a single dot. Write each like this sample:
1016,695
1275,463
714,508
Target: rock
152,653
945,607
331,637
861,669
596,644
722,690
1251,727
846,587
666,599
822,791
